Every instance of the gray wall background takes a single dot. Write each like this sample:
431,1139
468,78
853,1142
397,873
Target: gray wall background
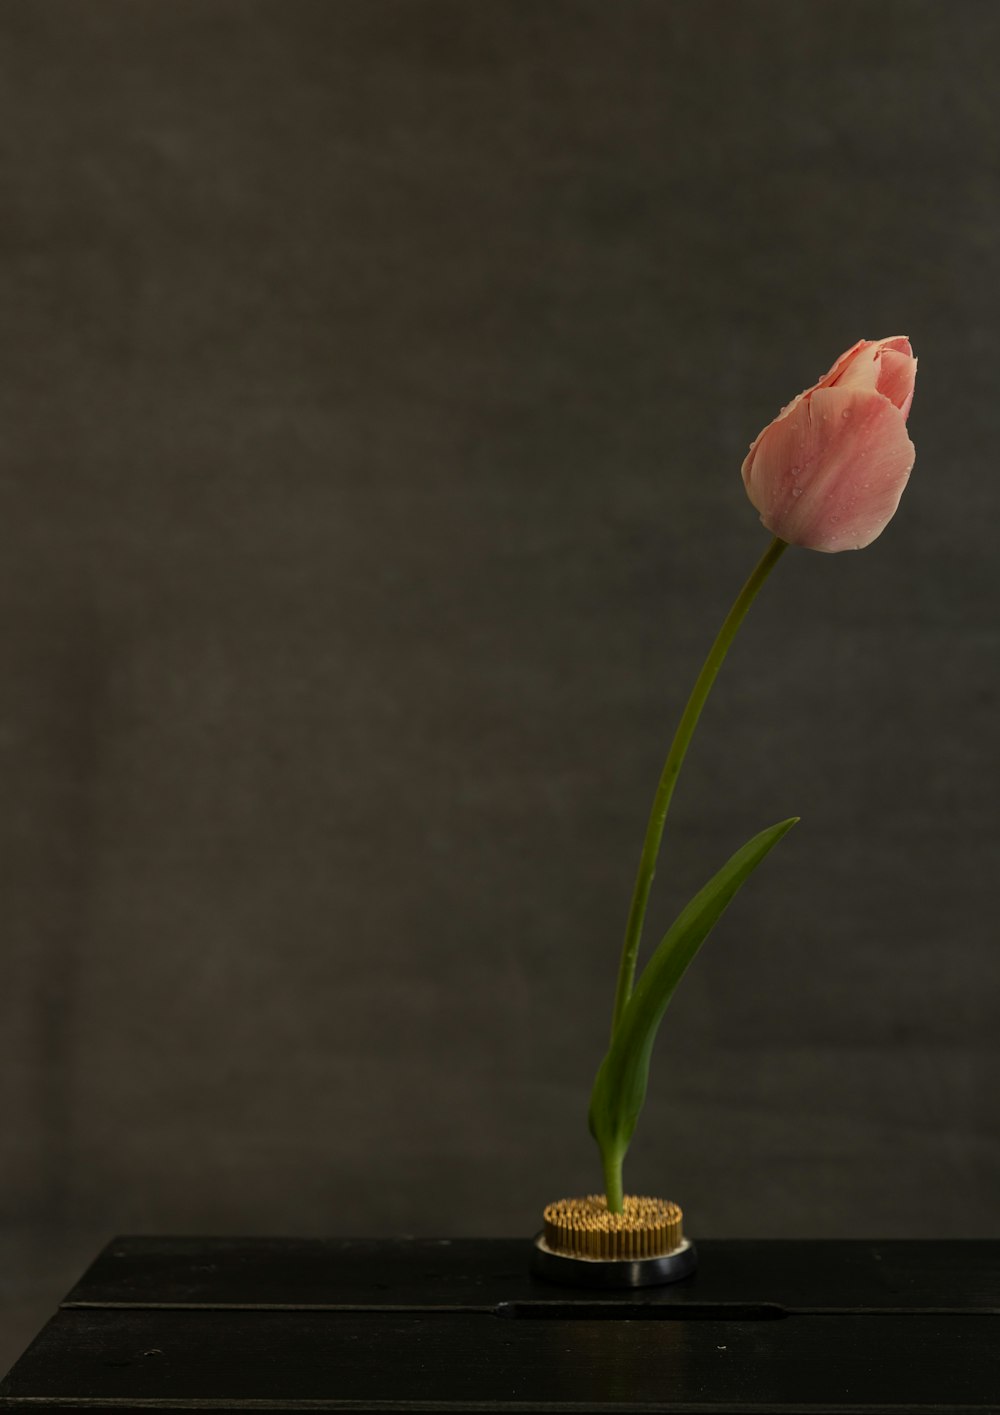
375,376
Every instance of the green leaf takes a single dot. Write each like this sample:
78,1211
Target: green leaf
620,1087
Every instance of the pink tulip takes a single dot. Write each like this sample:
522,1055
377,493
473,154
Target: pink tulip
829,471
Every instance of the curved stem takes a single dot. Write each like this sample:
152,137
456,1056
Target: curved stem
671,770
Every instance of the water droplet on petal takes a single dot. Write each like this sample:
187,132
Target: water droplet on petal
846,413
796,491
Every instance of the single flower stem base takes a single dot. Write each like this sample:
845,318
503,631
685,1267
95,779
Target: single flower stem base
613,1184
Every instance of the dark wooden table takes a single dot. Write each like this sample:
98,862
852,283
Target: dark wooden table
175,1324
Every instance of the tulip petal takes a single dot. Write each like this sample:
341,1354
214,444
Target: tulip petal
829,474
866,363
862,371
895,380
844,362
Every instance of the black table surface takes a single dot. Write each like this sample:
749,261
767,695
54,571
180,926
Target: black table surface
181,1324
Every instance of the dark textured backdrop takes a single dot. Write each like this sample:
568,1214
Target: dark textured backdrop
374,380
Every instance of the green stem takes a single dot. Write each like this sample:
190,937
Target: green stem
613,1182
671,770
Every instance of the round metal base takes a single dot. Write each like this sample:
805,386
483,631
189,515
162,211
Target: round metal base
613,1272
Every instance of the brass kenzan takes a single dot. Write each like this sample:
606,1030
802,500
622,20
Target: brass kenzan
583,1228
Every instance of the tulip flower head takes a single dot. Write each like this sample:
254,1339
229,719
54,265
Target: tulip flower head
828,472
